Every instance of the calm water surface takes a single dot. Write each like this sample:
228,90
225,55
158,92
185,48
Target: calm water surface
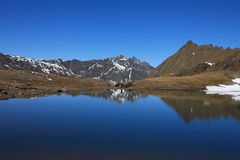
118,125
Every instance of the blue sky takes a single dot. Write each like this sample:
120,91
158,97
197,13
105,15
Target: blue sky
150,30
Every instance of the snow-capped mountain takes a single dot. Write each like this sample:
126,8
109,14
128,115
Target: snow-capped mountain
45,66
117,69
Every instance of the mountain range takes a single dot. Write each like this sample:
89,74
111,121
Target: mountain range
191,59
116,69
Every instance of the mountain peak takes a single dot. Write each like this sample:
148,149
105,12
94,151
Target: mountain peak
121,57
187,45
194,59
190,43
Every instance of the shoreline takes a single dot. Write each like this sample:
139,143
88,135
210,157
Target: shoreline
25,84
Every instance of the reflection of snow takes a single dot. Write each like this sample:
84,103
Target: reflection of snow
120,95
117,92
232,89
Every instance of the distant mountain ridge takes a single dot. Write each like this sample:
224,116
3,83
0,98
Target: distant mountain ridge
193,59
189,60
116,69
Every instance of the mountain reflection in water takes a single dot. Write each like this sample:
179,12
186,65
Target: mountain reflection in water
188,105
119,96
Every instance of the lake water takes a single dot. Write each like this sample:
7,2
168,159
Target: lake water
117,125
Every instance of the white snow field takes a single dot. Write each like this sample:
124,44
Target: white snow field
231,89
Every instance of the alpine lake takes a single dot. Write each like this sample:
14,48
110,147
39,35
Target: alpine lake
121,125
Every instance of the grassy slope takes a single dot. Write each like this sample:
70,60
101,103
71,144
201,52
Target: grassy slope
195,82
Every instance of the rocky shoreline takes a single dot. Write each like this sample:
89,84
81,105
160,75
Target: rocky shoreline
24,84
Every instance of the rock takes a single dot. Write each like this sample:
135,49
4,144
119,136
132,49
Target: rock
124,85
60,91
3,92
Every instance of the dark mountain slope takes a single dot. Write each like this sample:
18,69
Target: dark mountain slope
117,69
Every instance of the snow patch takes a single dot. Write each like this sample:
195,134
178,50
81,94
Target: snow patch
113,82
92,67
123,59
210,64
96,78
46,66
232,89
7,66
130,74
236,80
48,78
120,67
99,65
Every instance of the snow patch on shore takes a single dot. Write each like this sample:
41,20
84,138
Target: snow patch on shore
232,89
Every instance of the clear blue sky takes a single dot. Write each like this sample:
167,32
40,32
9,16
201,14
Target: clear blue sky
150,30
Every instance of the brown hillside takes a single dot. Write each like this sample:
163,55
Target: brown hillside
193,59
